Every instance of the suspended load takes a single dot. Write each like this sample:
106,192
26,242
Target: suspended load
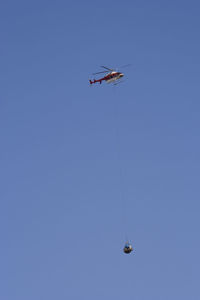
128,248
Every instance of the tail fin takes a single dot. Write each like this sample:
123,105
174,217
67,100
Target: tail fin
91,82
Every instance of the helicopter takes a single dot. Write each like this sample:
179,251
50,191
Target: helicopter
112,76
128,248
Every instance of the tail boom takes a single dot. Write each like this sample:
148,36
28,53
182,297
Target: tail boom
94,81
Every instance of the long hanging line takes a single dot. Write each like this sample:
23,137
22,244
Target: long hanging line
122,200
122,197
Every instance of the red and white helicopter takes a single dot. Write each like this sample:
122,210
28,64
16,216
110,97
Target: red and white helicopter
112,76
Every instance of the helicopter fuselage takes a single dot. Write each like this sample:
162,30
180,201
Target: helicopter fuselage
111,77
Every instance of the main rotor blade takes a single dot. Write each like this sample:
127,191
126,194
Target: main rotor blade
107,68
100,72
125,66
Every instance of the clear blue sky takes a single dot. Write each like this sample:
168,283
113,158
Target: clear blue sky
83,167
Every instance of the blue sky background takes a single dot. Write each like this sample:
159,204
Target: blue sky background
82,167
